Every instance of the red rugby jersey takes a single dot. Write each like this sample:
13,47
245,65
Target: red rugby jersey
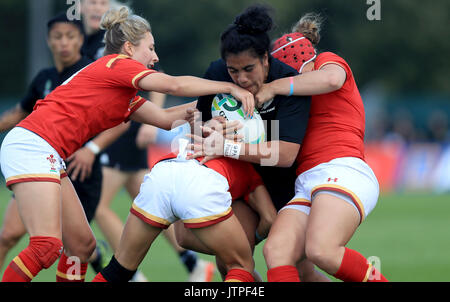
98,97
241,176
336,122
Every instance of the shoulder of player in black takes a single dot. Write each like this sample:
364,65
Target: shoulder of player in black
83,62
45,73
92,44
69,71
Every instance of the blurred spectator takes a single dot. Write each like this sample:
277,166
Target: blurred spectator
437,124
402,127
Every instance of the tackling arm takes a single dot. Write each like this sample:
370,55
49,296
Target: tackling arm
12,117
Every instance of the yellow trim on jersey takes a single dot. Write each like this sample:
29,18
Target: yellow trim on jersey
208,218
354,197
70,277
150,216
110,62
138,76
299,200
132,104
369,270
331,62
233,280
22,266
24,176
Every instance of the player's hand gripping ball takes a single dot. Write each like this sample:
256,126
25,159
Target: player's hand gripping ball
228,107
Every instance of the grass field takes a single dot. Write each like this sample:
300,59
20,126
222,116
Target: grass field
407,232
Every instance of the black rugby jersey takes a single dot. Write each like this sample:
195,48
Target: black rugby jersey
47,80
93,46
292,114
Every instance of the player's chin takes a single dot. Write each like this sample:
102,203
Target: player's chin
252,89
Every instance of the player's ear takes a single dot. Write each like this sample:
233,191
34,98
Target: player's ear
128,48
265,60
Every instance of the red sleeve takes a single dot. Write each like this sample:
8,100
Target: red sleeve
135,104
127,72
331,58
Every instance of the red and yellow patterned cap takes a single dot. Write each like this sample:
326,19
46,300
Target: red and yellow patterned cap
295,50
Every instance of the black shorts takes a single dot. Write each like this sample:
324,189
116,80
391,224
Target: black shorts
90,189
123,154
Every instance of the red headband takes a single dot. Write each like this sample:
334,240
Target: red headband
295,50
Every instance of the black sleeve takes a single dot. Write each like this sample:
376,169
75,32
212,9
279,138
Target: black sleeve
293,114
32,96
204,102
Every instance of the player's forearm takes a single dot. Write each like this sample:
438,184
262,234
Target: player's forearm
309,83
157,98
107,137
11,118
187,86
165,119
192,87
177,115
273,153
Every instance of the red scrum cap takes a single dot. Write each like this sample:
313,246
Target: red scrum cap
294,49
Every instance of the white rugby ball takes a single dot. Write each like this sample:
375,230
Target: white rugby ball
227,106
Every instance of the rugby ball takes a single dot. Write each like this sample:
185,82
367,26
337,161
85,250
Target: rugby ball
227,106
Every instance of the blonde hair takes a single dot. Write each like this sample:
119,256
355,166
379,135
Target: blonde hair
122,25
309,25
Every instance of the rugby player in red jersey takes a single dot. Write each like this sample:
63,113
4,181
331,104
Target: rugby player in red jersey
335,188
200,196
98,97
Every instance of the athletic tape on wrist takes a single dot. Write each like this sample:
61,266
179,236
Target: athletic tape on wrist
231,149
93,147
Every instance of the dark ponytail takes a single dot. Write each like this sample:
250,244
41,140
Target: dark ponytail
248,32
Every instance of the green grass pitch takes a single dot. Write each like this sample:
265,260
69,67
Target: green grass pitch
407,232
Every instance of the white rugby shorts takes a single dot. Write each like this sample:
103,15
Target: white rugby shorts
348,178
27,157
183,190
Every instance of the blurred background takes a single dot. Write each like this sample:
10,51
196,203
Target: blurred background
401,63
402,66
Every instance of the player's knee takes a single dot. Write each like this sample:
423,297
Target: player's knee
275,252
319,252
46,249
9,239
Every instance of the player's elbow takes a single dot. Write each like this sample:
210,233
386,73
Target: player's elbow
281,154
334,81
288,154
286,160
174,87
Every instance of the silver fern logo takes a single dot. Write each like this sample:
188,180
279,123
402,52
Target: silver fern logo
48,88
